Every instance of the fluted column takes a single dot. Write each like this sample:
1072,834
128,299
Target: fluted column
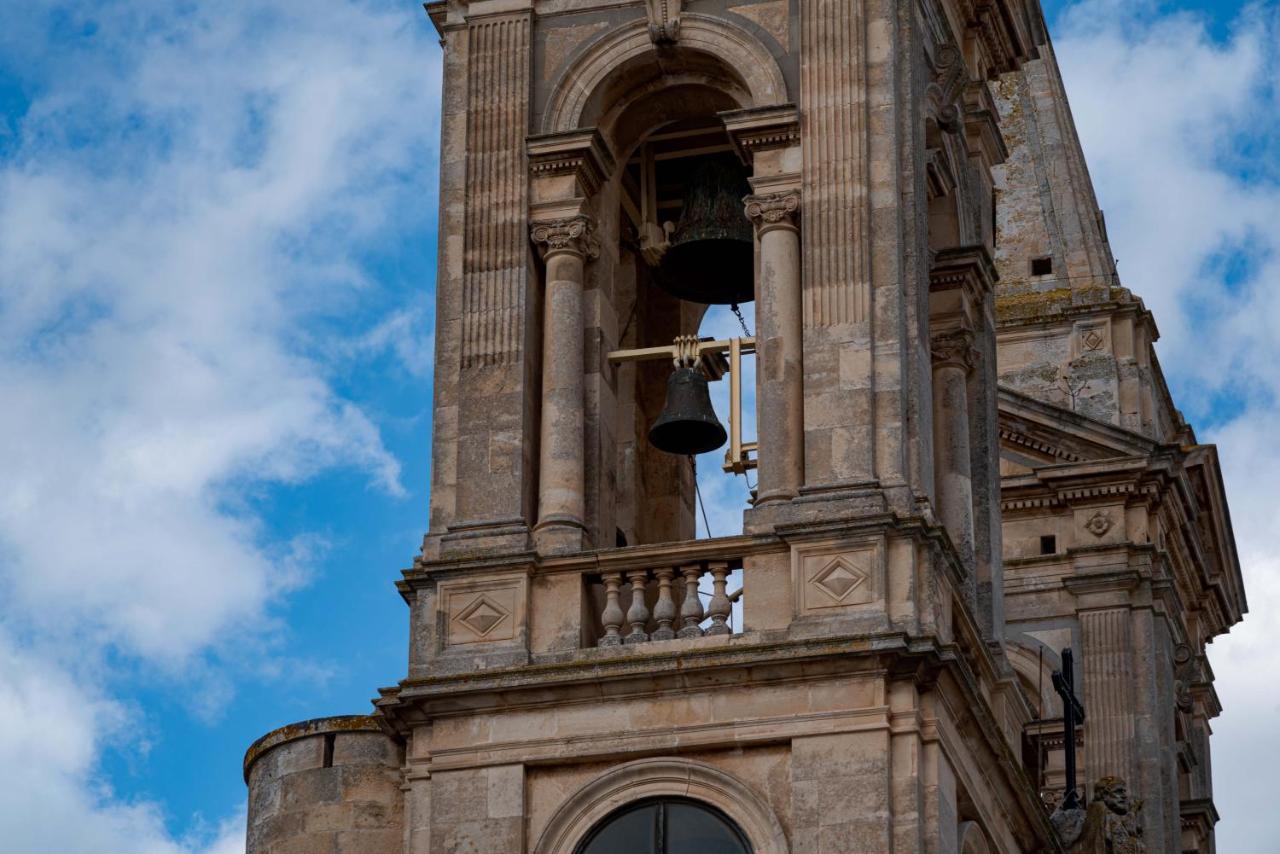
566,244
779,342
1107,662
953,358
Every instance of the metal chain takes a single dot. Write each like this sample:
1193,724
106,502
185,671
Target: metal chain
741,320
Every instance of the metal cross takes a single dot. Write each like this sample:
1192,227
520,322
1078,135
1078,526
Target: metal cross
1072,714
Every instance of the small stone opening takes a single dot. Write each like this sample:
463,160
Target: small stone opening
1048,545
328,749
1041,266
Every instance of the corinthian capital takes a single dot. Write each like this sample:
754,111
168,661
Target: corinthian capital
953,349
574,234
774,210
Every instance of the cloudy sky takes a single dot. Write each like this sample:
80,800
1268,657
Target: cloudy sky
217,245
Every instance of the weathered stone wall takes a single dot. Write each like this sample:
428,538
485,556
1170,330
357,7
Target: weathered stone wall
327,786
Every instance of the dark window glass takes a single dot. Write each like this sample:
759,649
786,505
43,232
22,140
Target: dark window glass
666,826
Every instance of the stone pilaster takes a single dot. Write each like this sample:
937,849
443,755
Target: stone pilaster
1107,639
482,479
565,244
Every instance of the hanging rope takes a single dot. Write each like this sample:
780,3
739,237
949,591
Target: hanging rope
698,492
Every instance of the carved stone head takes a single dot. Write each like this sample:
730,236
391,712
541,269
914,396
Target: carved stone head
1113,792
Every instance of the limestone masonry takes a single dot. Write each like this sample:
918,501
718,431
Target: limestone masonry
967,461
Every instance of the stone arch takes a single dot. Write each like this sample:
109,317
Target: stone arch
658,777
734,47
1033,663
972,839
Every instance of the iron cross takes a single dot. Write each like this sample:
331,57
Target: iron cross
1072,714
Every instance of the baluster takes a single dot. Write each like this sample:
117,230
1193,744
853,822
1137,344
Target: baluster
691,609
638,613
720,606
612,616
664,612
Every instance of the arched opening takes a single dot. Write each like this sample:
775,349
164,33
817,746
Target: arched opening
665,826
676,155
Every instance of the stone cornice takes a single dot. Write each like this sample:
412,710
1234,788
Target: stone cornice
762,128
581,154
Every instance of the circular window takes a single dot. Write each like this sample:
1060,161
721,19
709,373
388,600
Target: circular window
665,826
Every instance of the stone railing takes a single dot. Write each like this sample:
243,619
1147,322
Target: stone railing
666,602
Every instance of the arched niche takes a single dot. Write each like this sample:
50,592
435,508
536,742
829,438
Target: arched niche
711,48
645,779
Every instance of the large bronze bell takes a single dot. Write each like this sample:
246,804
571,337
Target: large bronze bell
711,258
688,425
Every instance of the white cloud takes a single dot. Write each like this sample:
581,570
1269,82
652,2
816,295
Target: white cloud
1181,133
192,187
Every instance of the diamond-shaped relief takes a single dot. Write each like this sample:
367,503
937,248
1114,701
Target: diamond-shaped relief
483,615
1092,340
839,579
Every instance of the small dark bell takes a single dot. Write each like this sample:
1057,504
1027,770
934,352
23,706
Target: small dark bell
711,259
688,425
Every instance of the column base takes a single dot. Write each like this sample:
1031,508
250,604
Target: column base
560,535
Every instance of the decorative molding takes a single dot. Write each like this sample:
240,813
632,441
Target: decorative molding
837,574
774,210
482,612
494,256
572,234
762,129
949,77
581,154
836,243
659,777
1099,523
1015,438
664,20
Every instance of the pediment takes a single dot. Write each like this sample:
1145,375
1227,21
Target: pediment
1034,434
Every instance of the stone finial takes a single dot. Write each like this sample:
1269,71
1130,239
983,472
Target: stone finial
574,234
664,20
774,210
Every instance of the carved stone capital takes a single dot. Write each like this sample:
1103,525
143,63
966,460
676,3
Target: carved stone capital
664,20
953,348
774,210
574,234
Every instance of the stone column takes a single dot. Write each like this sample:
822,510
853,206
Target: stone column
566,244
779,343
953,482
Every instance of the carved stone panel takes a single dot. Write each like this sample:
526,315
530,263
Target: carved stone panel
483,612
837,574
1100,525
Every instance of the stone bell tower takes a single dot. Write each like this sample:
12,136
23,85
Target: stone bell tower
586,675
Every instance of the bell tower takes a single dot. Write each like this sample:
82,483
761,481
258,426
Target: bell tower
832,678
585,673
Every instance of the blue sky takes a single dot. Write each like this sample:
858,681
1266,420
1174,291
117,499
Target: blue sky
217,242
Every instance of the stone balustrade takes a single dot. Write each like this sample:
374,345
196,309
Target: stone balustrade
666,602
